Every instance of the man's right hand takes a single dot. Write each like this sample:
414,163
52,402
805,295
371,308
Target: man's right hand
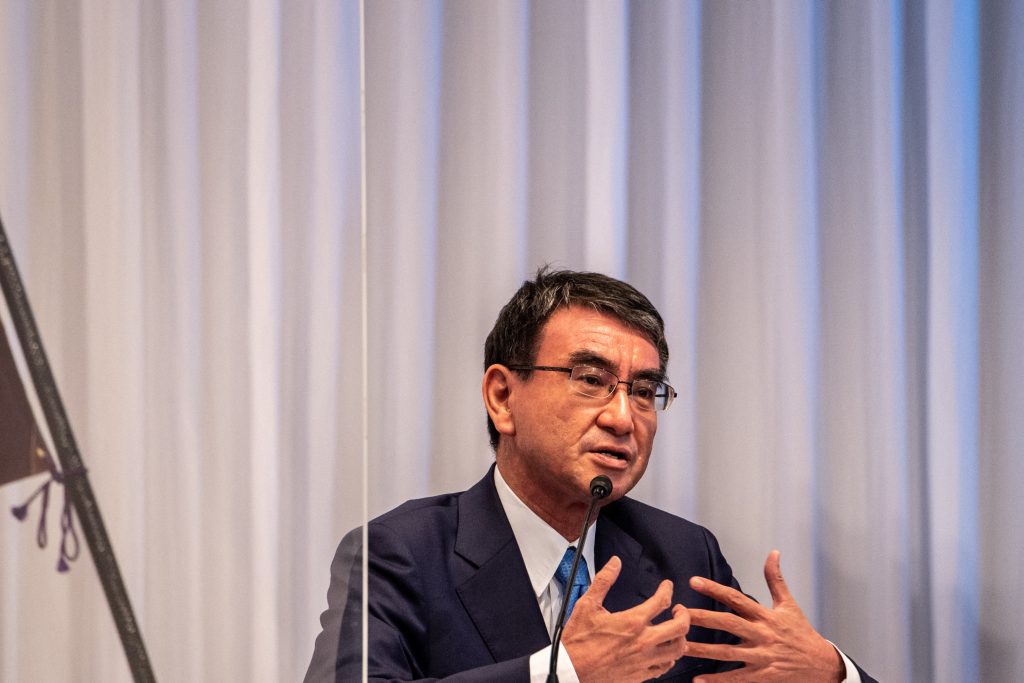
624,646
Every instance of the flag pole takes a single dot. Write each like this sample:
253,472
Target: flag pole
76,483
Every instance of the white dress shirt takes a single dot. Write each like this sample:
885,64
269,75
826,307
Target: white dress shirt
542,549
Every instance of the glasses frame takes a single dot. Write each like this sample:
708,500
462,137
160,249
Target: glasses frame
671,395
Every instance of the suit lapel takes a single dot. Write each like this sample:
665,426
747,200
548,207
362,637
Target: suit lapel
492,582
637,581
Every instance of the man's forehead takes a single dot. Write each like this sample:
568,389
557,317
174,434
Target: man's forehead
578,332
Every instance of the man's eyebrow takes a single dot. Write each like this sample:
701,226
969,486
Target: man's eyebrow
652,375
586,357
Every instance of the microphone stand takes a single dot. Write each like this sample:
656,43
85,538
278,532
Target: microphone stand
600,487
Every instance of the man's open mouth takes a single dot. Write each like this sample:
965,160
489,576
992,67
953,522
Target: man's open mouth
618,455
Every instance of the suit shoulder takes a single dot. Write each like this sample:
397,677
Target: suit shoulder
670,541
631,512
420,513
653,526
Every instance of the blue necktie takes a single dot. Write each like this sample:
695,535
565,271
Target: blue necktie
580,585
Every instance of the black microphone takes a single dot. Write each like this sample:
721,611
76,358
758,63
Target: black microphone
600,487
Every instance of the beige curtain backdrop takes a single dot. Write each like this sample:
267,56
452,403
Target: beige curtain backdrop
824,200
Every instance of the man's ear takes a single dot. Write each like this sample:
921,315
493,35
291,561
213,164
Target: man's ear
497,391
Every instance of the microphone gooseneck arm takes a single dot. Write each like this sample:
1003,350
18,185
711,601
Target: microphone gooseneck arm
600,487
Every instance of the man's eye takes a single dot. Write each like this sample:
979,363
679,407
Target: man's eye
591,380
644,391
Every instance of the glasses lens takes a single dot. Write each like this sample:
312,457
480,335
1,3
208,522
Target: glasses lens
590,381
645,393
597,383
664,396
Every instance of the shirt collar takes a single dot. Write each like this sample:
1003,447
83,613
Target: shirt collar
540,545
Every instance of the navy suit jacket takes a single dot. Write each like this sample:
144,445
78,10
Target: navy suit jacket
449,596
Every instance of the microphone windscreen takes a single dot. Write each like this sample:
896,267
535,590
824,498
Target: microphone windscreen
600,486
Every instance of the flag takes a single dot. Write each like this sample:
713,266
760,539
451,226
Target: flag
23,452
22,449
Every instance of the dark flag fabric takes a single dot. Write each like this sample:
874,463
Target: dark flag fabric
22,449
23,453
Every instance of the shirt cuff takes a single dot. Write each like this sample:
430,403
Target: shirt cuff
852,674
540,662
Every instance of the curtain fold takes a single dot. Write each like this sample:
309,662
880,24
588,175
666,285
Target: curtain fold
822,199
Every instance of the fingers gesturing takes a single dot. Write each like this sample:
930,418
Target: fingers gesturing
624,646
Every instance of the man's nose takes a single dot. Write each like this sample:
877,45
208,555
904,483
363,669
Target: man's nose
617,415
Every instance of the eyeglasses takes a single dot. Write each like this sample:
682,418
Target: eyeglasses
586,380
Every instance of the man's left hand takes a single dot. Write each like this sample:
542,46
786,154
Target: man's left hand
776,644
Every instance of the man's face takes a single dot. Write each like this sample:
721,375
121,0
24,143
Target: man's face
562,439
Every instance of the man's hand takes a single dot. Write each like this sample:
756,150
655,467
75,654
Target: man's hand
777,644
624,646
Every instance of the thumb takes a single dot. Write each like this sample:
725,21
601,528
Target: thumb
773,577
603,581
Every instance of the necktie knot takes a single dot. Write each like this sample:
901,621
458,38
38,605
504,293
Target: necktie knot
578,586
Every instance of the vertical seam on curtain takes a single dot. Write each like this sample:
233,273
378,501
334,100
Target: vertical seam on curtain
363,322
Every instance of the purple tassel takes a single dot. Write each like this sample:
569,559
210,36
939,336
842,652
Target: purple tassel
68,536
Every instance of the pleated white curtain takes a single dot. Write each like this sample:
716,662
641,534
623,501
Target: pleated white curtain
823,200
181,182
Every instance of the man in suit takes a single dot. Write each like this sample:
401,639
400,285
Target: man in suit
467,586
